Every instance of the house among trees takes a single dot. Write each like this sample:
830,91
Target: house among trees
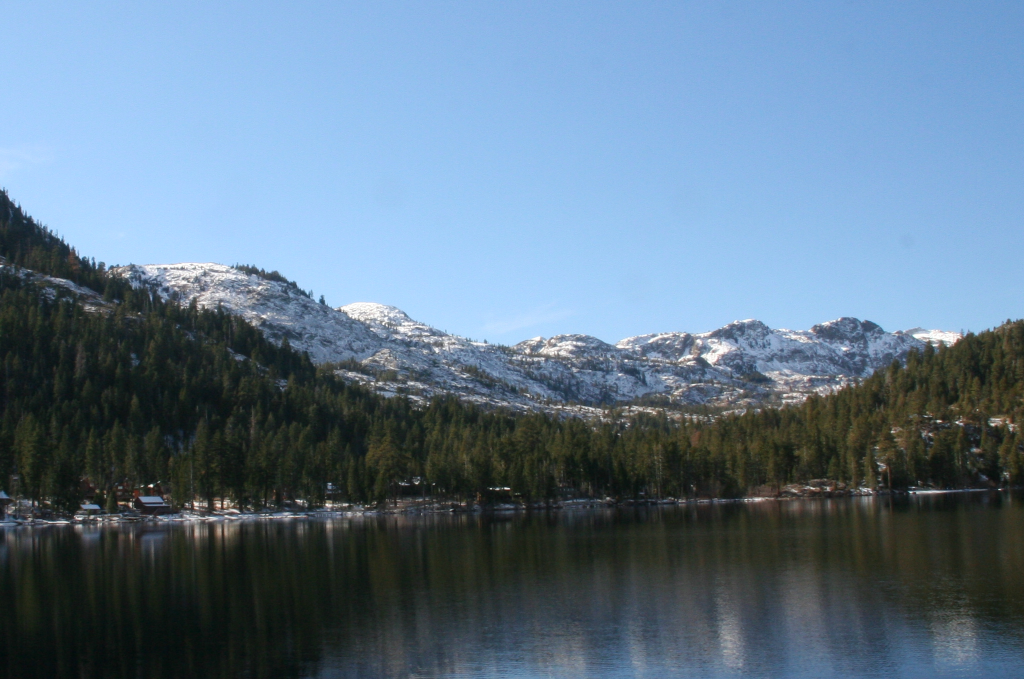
89,508
5,500
152,504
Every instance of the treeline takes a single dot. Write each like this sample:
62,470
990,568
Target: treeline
947,419
147,391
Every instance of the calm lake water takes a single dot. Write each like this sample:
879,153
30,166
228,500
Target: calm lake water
862,587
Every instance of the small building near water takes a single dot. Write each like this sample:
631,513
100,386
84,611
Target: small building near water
152,504
5,500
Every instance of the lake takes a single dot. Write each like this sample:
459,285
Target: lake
919,587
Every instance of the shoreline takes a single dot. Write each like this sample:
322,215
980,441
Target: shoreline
441,508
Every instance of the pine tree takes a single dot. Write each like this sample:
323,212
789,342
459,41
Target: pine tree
870,469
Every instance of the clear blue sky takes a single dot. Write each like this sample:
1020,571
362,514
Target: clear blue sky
507,170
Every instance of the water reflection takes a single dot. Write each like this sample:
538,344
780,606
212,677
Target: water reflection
849,587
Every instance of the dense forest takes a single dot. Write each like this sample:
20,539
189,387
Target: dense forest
132,390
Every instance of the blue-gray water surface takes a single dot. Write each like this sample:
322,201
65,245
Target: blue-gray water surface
922,587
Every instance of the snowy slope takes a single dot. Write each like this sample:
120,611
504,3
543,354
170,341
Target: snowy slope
934,337
744,363
89,299
279,310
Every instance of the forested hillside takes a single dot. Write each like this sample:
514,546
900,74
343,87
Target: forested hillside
134,390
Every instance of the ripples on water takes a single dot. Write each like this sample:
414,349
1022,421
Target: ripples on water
925,587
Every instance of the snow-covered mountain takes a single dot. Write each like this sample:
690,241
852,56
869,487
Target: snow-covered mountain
742,364
280,311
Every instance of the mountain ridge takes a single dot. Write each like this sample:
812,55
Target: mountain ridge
108,385
742,364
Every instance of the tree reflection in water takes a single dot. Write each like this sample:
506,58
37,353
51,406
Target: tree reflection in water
804,588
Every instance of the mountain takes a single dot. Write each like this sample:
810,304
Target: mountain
281,311
743,364
111,386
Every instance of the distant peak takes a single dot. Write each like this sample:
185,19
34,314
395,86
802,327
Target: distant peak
846,326
747,327
576,337
934,337
565,345
370,308
751,323
372,312
188,266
